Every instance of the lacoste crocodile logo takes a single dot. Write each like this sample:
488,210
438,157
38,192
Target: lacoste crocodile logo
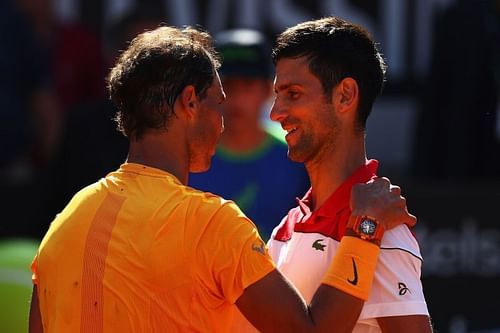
354,281
318,246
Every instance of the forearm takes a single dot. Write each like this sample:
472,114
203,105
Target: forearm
333,310
410,324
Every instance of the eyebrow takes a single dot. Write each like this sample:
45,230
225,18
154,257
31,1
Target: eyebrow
285,86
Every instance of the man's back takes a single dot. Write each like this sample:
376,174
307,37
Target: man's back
138,251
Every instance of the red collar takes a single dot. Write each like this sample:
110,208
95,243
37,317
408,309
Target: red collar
340,198
302,219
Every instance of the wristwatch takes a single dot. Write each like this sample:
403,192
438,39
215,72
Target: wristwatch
366,227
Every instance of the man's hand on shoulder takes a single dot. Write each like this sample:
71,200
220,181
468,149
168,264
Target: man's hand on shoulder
381,200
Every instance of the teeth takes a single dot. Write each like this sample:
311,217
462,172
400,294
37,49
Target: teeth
290,130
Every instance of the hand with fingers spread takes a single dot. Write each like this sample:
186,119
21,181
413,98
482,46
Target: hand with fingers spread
381,200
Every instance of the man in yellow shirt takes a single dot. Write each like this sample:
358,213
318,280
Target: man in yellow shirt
139,251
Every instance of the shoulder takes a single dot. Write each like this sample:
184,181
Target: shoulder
214,208
199,199
90,195
401,238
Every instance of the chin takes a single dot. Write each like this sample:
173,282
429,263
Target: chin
200,167
296,156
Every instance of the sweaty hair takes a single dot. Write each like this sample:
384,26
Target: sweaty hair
336,49
152,72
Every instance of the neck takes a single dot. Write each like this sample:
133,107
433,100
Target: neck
158,151
334,167
243,139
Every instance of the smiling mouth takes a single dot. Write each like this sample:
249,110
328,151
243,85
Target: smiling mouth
289,129
290,133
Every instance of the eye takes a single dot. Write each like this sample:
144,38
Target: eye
293,94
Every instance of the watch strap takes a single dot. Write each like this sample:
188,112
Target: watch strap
354,224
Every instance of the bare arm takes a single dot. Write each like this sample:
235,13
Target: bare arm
273,305
410,324
35,324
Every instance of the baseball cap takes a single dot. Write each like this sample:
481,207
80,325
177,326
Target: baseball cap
244,52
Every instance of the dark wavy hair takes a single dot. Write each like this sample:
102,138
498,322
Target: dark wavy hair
336,49
151,73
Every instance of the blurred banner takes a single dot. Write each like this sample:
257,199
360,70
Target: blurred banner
403,27
458,232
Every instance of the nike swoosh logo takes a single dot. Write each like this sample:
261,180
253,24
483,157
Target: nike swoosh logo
354,281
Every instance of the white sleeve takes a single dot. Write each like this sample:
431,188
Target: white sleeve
397,289
274,246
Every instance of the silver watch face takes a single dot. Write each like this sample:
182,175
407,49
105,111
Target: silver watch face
367,227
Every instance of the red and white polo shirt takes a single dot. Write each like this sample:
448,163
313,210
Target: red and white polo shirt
304,243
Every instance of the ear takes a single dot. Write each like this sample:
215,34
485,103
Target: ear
346,95
188,100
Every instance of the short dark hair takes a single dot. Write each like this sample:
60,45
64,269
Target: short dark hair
336,49
151,73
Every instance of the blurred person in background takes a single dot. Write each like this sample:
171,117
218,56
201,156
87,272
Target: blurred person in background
250,166
73,70
52,67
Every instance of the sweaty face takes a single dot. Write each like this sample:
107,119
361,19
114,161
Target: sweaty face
303,111
208,126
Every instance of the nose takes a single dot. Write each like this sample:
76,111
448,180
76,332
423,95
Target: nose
277,111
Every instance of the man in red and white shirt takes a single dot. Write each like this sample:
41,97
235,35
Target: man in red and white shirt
304,243
328,74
